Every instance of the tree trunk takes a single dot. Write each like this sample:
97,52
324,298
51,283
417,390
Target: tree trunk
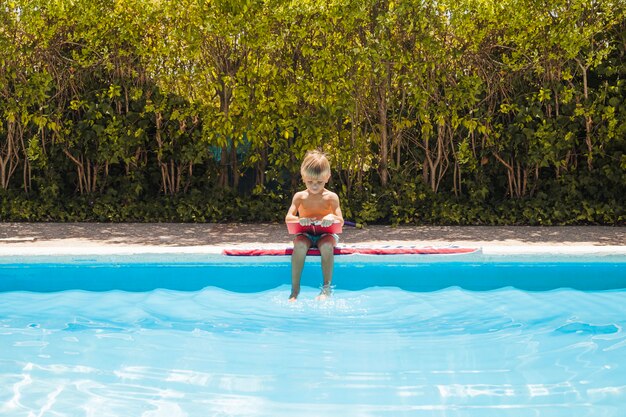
383,156
9,156
588,118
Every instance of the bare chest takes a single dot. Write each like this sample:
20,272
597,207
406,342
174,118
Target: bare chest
314,207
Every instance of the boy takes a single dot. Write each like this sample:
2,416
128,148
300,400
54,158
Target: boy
316,203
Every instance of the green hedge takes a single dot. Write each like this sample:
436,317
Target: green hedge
434,112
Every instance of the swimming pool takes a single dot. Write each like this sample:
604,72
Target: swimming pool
409,336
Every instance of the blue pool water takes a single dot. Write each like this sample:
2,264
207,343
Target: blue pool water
464,336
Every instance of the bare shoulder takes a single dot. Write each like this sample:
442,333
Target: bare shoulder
300,195
330,196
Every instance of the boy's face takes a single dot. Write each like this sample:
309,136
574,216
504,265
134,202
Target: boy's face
314,185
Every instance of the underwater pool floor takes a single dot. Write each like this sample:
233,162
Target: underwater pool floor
127,345
372,352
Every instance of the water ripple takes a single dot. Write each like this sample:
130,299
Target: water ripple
379,351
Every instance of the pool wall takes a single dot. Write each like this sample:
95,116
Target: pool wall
475,272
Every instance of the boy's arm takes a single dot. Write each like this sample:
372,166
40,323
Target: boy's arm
335,215
292,213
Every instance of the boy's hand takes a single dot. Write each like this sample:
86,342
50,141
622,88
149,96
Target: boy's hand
305,221
327,220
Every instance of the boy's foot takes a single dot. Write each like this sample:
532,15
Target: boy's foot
293,297
325,293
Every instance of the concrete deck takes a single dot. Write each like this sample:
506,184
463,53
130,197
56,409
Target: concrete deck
107,238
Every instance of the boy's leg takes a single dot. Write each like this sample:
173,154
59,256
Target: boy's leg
301,245
326,245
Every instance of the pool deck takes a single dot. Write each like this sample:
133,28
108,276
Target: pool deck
137,238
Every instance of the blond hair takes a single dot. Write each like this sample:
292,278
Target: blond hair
315,165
